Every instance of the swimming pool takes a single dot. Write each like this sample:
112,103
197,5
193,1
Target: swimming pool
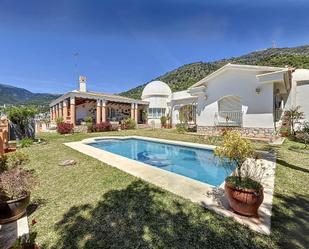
195,163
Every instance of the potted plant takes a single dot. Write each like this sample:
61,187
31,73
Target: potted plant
284,131
15,186
168,119
243,188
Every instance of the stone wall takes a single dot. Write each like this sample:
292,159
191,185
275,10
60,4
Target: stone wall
245,131
80,129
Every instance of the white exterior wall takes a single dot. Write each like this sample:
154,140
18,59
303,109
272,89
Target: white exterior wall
257,108
157,102
299,95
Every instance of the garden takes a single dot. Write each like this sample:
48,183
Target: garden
93,205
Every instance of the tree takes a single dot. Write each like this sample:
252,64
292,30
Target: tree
185,114
294,116
236,150
22,117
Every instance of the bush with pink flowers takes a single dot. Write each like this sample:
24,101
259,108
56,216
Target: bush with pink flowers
64,128
103,126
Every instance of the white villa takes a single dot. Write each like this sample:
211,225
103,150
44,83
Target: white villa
249,98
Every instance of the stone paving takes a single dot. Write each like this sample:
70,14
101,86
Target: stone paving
9,232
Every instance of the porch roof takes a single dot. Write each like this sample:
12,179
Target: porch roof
282,77
271,77
99,96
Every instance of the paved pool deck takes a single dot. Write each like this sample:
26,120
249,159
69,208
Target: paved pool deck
11,231
204,194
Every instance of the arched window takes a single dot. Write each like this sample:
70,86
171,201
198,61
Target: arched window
229,111
229,104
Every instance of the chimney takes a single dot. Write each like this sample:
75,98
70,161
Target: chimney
82,84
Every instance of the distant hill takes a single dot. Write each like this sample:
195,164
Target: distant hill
17,96
185,76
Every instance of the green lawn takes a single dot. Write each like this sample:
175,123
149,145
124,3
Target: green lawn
93,205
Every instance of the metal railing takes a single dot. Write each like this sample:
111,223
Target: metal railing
278,114
228,118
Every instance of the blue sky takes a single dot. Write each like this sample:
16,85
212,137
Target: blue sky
122,44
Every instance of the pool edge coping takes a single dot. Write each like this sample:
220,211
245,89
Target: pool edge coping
194,190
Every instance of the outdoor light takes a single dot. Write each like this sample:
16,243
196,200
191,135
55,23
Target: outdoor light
258,90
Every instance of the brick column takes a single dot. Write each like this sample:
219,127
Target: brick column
135,113
4,133
65,111
72,110
57,110
132,111
1,143
103,111
99,112
60,110
54,112
51,114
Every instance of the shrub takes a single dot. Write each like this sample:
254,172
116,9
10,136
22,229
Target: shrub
26,142
13,160
88,119
128,124
64,128
59,120
302,137
293,116
181,128
192,128
305,127
22,118
26,241
16,183
163,120
103,126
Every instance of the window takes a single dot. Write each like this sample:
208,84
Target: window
156,112
302,83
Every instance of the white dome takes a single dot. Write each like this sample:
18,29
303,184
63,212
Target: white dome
156,88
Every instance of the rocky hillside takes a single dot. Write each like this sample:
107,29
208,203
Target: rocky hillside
14,95
185,76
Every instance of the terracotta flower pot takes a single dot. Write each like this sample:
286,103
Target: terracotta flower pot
34,246
12,210
284,134
244,201
9,149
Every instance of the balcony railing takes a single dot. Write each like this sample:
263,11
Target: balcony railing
228,118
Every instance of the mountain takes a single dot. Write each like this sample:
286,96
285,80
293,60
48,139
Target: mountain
185,76
17,96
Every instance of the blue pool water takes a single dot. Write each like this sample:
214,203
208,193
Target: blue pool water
195,163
